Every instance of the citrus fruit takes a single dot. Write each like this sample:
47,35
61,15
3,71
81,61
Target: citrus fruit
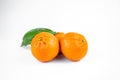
73,46
44,46
59,35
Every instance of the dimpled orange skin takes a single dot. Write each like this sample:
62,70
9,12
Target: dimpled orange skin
59,35
73,46
45,46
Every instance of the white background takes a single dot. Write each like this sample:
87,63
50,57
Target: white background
97,20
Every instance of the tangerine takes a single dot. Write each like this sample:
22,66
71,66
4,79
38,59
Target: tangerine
44,46
59,35
73,46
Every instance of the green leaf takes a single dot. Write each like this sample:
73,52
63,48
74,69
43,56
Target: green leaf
27,38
